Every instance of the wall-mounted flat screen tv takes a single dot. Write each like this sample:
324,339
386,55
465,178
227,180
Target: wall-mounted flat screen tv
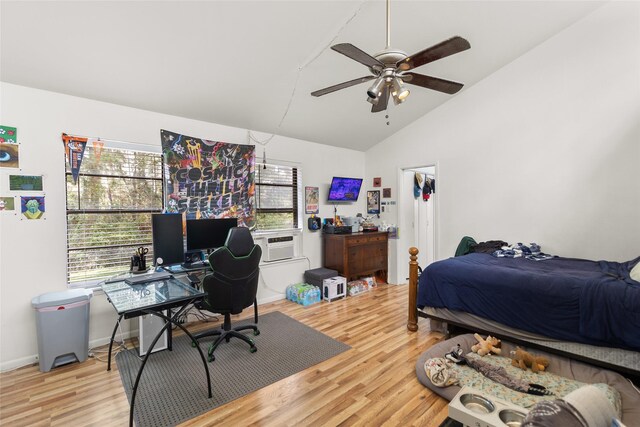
344,189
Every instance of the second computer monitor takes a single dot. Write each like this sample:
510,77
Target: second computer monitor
168,246
203,234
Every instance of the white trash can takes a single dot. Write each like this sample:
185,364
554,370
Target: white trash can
62,320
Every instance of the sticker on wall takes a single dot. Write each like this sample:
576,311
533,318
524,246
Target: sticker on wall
8,135
9,156
311,198
32,207
25,183
386,193
7,204
377,182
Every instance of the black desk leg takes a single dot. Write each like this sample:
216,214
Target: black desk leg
168,322
111,342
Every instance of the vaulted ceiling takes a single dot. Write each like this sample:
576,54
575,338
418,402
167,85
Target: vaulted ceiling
253,64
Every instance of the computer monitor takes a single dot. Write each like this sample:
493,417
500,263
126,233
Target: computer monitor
168,244
204,234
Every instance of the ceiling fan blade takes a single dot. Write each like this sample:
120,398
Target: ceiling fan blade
433,83
349,50
383,100
342,85
441,50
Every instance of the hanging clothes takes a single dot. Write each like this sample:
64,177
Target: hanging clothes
426,189
417,182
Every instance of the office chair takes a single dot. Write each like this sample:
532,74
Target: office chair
232,286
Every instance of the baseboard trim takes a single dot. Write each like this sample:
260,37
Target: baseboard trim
271,299
18,363
98,342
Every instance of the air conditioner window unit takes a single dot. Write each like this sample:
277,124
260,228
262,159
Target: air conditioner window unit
279,248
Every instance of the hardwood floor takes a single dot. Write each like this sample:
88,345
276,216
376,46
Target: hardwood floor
373,384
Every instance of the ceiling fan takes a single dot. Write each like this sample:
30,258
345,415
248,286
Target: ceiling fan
390,69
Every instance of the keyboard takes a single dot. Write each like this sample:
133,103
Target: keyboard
146,278
195,265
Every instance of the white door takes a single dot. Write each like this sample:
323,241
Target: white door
416,218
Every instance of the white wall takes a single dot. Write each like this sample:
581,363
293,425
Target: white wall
545,150
33,253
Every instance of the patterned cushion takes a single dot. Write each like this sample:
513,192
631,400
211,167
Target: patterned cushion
560,386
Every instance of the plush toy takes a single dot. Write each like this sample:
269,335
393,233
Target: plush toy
484,347
523,359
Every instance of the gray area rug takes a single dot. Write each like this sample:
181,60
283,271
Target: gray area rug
173,387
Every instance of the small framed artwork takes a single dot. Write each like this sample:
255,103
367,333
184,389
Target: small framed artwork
311,205
32,207
9,156
386,193
7,204
373,202
377,182
8,135
25,183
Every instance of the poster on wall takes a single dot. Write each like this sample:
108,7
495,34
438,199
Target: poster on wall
209,179
9,156
7,204
8,135
32,207
74,151
311,197
373,202
25,183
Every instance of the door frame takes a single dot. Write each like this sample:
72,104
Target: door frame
402,246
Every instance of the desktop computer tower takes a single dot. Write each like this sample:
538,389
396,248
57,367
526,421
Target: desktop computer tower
148,327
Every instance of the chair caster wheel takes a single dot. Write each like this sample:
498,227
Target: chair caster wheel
253,349
211,358
194,344
256,332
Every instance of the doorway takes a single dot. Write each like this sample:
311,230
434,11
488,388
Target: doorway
416,219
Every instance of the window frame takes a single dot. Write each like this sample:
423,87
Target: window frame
112,145
296,197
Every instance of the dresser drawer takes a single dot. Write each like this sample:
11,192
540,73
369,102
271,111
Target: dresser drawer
365,240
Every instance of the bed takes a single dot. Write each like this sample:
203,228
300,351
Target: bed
587,310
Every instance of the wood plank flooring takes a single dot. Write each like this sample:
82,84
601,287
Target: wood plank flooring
373,384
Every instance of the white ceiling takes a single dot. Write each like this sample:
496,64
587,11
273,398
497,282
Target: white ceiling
253,64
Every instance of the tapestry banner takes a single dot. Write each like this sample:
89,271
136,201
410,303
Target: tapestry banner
209,179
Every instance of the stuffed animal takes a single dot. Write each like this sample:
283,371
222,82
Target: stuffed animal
523,359
488,346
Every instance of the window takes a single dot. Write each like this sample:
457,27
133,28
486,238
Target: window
276,197
109,211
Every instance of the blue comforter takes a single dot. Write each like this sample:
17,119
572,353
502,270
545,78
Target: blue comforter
593,302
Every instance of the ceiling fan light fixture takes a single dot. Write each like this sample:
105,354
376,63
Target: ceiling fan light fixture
399,90
374,91
396,100
390,69
373,101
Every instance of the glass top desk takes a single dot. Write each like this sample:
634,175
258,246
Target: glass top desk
152,298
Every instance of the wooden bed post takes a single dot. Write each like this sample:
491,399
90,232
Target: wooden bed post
412,323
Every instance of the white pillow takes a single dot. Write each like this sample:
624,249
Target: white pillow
635,272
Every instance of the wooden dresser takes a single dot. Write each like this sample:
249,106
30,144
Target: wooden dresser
357,254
